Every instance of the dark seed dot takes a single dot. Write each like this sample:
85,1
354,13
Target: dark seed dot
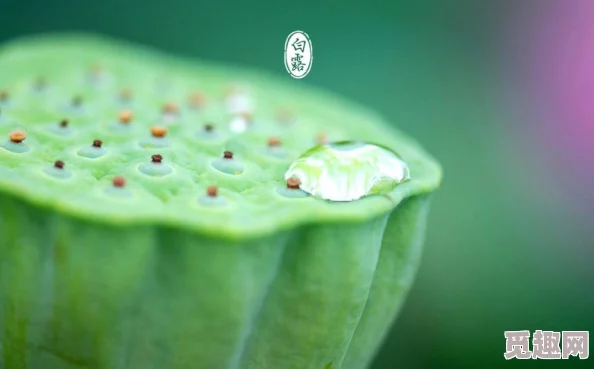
126,117
197,100
59,164
40,83
126,94
321,138
274,142
76,101
212,191
293,183
97,143
228,155
208,127
17,136
170,108
3,95
156,158
64,123
158,131
119,181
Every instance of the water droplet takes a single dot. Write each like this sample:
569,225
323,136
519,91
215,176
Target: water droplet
348,170
238,124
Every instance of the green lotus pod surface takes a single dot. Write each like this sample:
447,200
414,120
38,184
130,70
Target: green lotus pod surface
147,220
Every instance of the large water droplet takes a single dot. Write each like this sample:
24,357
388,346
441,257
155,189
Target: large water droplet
348,170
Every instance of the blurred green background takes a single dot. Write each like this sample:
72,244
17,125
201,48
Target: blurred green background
510,239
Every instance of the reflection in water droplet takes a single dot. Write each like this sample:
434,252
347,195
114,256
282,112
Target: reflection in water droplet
348,170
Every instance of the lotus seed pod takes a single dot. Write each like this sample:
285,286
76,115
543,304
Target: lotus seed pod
144,225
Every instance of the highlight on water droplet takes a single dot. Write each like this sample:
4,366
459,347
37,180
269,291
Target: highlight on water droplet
348,170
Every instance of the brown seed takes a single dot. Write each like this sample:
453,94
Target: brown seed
274,142
208,127
3,96
170,108
119,181
59,164
158,131
228,155
40,83
321,138
17,136
77,101
64,123
284,115
156,158
212,191
97,143
126,94
293,183
126,116
197,100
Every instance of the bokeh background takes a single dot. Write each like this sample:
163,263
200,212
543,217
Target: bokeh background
501,92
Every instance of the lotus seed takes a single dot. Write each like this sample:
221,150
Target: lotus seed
292,189
212,197
158,131
126,117
17,136
227,164
94,151
208,127
212,191
293,183
64,123
274,142
125,95
156,167
76,101
3,96
197,100
57,170
119,181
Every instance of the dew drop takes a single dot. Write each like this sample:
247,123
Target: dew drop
348,170
239,123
